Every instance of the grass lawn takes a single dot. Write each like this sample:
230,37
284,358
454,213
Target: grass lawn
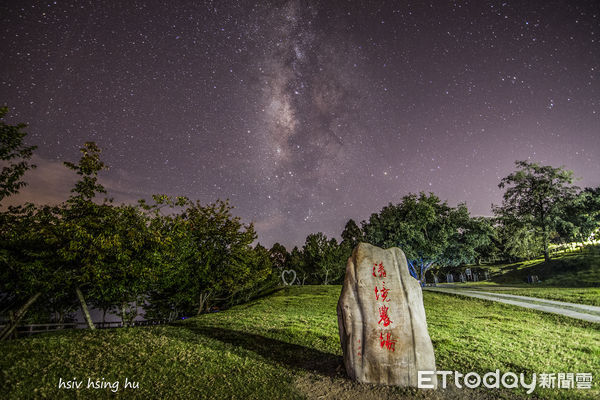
569,269
287,346
569,276
589,296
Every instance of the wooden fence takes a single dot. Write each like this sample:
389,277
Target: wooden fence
30,329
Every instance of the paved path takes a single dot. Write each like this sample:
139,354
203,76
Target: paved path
573,310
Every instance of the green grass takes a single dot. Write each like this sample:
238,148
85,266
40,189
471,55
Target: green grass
590,296
482,336
567,269
571,276
287,346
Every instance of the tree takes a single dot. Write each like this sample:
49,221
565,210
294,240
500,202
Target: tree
420,225
64,246
261,275
352,234
279,256
431,233
205,256
84,222
484,236
29,264
535,195
127,261
592,210
220,263
11,150
297,263
15,228
470,238
170,295
517,237
110,251
324,258
88,167
580,217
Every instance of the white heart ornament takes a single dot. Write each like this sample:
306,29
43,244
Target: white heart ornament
289,271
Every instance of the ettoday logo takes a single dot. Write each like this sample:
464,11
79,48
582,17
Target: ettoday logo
508,380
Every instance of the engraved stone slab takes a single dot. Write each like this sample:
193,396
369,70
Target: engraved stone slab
381,319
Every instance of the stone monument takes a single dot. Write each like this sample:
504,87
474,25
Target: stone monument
381,319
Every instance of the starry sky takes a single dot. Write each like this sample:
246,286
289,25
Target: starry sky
303,113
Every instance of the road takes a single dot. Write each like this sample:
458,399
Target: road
573,310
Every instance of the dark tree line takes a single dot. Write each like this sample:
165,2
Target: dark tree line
430,233
177,257
173,256
541,207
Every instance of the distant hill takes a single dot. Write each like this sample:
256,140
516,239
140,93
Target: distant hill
574,269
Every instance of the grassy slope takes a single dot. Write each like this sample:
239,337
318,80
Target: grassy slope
572,269
569,276
589,296
259,350
483,336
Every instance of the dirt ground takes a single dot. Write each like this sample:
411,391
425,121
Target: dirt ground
339,387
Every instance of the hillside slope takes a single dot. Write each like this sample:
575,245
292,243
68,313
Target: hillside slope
287,346
573,269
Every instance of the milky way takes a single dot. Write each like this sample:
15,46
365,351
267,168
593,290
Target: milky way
304,114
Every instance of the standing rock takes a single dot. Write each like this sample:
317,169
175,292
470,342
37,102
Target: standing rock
381,318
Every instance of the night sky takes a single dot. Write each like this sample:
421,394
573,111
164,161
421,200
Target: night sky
304,114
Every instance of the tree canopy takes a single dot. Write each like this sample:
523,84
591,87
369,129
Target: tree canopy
535,196
430,232
15,153
179,257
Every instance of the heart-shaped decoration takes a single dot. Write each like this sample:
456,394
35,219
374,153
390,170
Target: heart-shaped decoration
284,273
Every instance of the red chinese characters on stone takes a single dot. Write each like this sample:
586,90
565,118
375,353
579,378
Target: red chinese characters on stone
388,343
383,293
383,316
380,270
